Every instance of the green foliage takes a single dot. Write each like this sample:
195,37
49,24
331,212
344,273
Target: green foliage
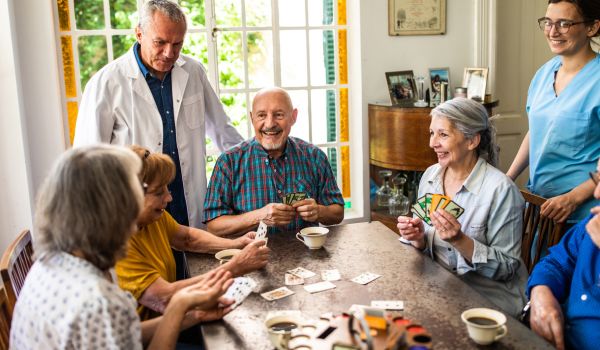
194,11
123,14
89,14
231,70
92,56
121,44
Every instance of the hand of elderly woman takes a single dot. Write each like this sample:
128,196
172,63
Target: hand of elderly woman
253,257
412,229
205,293
244,240
446,226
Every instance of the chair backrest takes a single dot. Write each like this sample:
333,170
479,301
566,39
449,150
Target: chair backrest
5,317
548,232
14,266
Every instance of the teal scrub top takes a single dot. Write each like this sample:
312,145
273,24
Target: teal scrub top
564,132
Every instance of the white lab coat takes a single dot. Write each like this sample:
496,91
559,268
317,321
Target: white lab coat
117,107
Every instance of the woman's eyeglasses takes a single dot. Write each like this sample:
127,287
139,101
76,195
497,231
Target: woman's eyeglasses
562,26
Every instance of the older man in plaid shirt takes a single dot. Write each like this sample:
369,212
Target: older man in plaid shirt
250,179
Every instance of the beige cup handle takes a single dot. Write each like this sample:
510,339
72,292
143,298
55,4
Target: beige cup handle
298,238
502,332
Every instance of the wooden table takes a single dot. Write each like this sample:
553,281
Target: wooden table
433,296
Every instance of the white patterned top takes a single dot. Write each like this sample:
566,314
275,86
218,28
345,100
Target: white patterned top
67,303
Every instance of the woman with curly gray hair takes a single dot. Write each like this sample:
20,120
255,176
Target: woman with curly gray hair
86,212
483,245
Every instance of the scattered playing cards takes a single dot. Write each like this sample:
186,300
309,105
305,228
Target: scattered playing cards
278,293
319,287
365,278
293,280
302,272
388,304
429,203
294,197
330,275
239,290
261,231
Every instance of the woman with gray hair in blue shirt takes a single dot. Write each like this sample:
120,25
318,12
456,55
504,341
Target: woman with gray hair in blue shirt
482,246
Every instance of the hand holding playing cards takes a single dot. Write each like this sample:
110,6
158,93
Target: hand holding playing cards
277,214
446,225
253,257
308,209
205,293
412,229
244,240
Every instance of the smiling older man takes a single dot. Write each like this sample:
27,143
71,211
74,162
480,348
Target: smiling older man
251,179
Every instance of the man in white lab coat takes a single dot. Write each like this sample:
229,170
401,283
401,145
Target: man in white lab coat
156,98
126,103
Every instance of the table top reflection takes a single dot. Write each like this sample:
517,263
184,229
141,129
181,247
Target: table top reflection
433,297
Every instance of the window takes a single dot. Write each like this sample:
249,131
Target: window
299,45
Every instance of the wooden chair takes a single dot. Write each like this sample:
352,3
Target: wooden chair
15,265
549,232
5,317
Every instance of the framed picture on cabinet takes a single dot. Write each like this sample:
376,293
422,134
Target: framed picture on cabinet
437,76
475,80
402,87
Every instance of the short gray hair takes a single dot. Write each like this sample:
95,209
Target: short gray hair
89,204
169,8
471,118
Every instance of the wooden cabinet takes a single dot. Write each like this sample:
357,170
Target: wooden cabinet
398,140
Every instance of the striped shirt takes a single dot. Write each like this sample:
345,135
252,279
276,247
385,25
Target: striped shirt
246,178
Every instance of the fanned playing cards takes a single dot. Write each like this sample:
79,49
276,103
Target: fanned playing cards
426,205
239,290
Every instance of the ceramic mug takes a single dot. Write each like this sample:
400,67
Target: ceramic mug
280,330
485,326
225,255
313,237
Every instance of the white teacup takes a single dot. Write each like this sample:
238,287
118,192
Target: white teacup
225,255
313,237
485,326
280,330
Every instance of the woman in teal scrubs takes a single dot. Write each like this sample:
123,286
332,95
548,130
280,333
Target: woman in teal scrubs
563,105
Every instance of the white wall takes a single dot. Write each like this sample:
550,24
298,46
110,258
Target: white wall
383,53
30,114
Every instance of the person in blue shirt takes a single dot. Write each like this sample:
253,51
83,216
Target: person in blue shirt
563,106
564,287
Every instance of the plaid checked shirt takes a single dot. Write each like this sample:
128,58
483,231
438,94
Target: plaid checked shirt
246,178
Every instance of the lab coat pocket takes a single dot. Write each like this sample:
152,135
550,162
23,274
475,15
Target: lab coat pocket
192,111
569,132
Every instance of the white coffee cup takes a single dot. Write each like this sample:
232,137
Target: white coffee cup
485,326
313,237
225,255
280,330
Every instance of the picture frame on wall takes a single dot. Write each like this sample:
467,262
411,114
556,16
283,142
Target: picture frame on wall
475,80
437,76
402,87
410,17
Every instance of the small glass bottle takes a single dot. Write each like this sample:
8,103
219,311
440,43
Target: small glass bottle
385,191
399,203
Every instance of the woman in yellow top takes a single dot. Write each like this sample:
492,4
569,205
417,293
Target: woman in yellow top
148,271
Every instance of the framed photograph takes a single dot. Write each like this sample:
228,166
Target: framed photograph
402,87
475,80
416,17
437,76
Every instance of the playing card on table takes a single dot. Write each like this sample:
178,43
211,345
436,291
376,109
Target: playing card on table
454,209
278,293
319,287
365,278
388,304
261,231
330,275
293,280
239,290
302,272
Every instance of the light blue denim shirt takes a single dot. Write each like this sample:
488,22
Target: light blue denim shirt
493,218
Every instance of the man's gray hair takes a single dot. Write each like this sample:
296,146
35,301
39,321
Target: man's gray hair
471,118
168,8
89,204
